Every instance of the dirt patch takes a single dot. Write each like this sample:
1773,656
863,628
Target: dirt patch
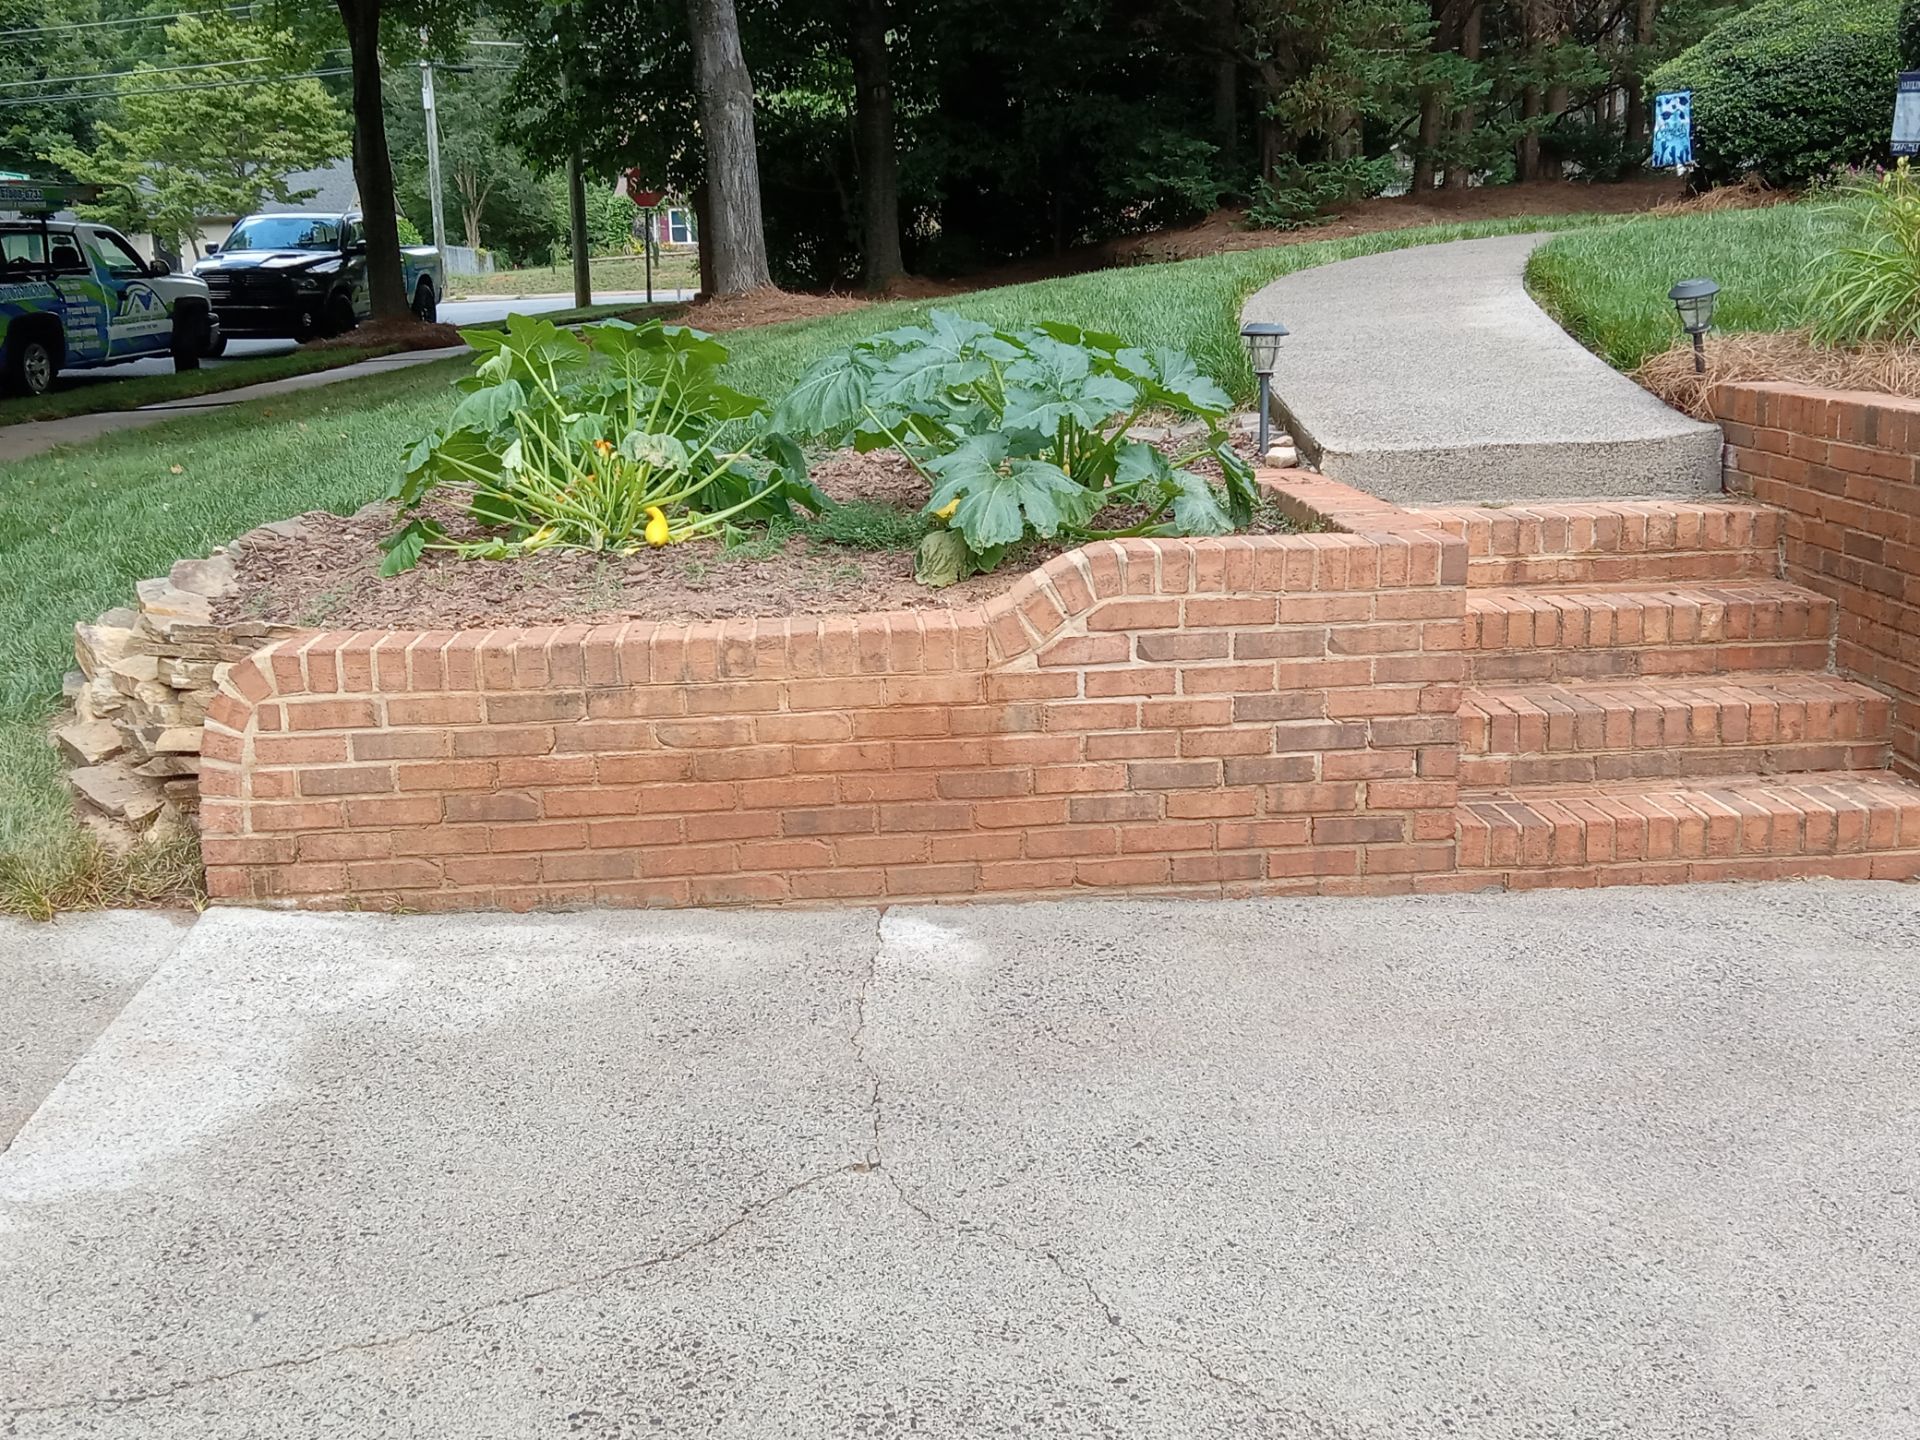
325,576
388,336
770,306
1788,355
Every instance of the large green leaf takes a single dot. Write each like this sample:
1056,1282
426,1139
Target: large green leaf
489,409
999,499
828,398
404,548
1196,508
1243,491
661,451
1174,380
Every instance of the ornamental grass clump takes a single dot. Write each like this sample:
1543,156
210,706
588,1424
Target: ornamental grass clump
616,438
1024,434
1867,287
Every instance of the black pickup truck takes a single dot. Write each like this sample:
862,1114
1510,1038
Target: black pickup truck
300,276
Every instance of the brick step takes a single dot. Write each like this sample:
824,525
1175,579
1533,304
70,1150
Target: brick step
1613,542
1847,824
1694,726
1601,633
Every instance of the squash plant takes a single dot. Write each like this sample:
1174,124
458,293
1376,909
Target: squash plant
612,438
1024,433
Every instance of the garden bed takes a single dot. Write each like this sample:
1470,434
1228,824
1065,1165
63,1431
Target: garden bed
324,572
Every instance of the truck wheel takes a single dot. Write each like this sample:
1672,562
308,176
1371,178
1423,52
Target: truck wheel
31,365
216,347
426,307
190,332
306,325
340,316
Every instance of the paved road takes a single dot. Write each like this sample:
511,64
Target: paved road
1429,376
1614,1163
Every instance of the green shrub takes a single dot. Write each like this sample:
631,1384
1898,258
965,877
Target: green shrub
409,232
1867,286
1304,191
1791,89
1907,35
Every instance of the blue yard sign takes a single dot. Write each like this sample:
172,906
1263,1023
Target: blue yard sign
1906,114
1673,129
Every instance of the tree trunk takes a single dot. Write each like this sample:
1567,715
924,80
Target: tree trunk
578,240
1433,119
738,234
1344,138
1468,118
1226,78
702,241
372,166
1558,98
1638,126
874,152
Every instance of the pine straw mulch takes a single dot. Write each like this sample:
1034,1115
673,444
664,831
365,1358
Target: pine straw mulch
327,577
1788,355
389,336
771,306
1752,193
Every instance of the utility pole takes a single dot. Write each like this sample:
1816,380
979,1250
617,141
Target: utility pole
433,155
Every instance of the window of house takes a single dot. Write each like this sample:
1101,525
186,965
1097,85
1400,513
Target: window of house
679,227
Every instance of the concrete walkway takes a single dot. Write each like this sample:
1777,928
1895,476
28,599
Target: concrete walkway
36,437
60,986
1623,1162
1429,376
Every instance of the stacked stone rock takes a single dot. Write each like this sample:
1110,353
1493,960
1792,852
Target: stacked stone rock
145,680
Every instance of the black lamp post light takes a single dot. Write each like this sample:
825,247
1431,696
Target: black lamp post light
1262,339
1694,300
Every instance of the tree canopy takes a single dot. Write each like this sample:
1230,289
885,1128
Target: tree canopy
173,154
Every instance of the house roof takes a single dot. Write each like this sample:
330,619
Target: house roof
334,191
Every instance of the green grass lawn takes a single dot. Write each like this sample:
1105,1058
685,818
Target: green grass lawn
671,271
1608,284
78,528
130,393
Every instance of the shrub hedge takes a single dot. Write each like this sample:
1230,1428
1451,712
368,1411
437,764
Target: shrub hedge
1790,88
1907,35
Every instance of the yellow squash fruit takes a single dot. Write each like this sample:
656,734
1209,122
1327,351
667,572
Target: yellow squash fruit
657,532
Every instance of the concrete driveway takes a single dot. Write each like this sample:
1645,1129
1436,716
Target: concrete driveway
1623,1163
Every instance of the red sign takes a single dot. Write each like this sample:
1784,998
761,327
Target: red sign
638,193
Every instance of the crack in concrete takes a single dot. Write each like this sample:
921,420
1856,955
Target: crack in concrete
973,1227
749,1212
873,1162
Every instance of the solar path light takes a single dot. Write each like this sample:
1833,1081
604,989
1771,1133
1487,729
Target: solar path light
1262,339
1694,300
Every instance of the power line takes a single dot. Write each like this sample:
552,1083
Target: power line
126,22
118,74
175,89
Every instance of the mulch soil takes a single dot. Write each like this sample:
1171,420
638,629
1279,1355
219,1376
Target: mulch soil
328,578
389,336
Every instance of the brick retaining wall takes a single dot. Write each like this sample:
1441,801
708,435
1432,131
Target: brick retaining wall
1244,714
1844,466
1646,699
